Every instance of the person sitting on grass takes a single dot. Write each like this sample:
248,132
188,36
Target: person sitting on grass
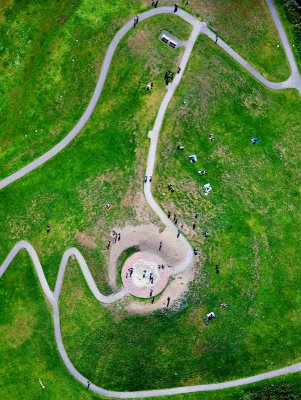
149,86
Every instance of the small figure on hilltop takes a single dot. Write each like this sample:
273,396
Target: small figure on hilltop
178,70
211,137
160,246
168,301
136,20
217,269
209,317
196,251
149,86
254,140
193,158
178,234
48,228
176,7
216,39
206,234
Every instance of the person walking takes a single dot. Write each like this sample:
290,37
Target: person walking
151,293
169,214
160,246
131,270
156,3
88,385
176,7
194,226
176,221
168,301
119,236
136,20
178,70
150,178
144,274
178,234
145,179
216,39
109,244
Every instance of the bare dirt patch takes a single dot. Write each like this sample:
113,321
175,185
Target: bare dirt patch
147,238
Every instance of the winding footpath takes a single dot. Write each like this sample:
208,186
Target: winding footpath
198,27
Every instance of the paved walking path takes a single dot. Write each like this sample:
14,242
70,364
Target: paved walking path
293,81
53,296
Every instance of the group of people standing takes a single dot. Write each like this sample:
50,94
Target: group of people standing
116,238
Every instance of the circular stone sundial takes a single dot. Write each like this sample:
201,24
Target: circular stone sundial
145,275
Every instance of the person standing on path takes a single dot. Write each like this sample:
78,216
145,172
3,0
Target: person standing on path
156,3
153,299
151,293
160,246
176,221
169,214
136,20
131,270
150,178
88,385
216,39
145,179
176,7
119,236
168,301
178,234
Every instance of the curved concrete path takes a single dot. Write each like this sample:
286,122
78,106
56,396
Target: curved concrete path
293,81
53,297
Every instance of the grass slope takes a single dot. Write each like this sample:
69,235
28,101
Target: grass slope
71,190
255,189
51,54
28,351
101,165
248,27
